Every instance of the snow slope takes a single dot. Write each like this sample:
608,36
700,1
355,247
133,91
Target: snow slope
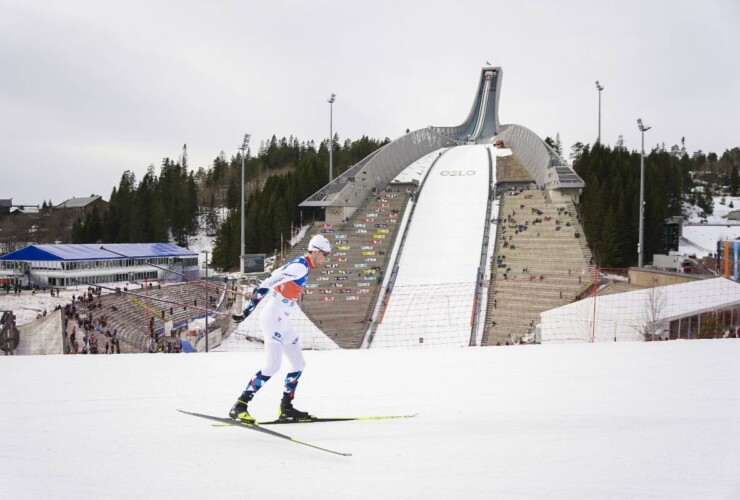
706,237
625,420
442,246
719,212
701,234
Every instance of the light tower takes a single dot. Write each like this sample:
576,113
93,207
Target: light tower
640,245
599,88
243,148
208,302
331,137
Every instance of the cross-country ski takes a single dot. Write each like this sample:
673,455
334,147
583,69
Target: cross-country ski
258,428
312,420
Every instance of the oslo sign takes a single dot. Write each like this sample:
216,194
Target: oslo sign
456,173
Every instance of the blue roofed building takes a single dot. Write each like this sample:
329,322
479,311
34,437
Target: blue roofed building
71,265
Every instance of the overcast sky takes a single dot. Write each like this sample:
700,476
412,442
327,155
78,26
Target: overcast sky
89,89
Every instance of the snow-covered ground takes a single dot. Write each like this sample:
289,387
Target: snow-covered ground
719,214
616,420
201,242
702,234
418,169
705,238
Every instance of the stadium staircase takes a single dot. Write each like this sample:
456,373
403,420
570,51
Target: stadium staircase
299,249
340,297
540,261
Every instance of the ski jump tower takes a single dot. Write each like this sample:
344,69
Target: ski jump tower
482,121
341,197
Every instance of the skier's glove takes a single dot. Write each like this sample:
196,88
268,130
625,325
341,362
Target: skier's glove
257,295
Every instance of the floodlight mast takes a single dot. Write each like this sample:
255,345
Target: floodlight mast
599,87
243,148
208,298
641,245
331,101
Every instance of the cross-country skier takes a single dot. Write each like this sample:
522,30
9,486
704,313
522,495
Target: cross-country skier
284,286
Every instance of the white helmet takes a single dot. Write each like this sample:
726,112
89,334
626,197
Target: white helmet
320,243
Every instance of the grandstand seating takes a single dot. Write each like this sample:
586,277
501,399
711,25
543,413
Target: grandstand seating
128,314
540,261
546,260
510,169
340,297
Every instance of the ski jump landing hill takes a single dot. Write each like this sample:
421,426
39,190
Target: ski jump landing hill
442,245
419,274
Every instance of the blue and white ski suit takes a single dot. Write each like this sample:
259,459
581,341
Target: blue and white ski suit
285,286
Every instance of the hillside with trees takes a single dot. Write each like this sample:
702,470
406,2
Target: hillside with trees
172,204
611,200
272,208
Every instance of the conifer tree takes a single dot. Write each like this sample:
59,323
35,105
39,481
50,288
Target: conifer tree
705,201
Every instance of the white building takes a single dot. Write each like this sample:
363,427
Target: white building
666,312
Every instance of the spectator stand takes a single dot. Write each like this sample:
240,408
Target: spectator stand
537,254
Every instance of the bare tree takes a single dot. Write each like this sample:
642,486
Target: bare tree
653,325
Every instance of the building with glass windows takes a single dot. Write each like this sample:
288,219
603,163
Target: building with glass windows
71,265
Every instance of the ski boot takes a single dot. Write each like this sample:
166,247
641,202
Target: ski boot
239,410
287,412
